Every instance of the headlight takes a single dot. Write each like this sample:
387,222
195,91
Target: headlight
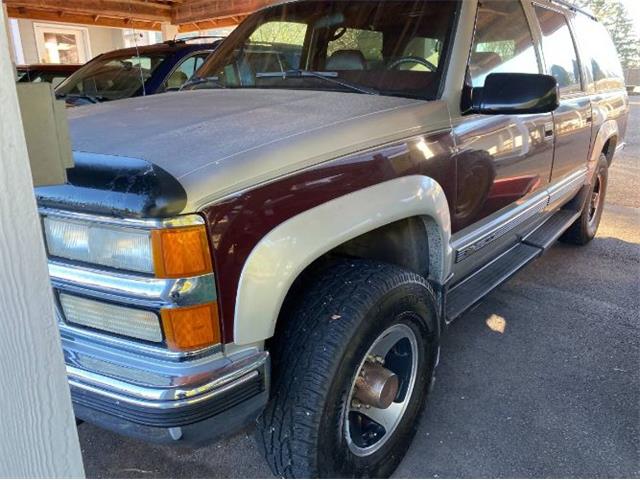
175,248
178,252
111,318
121,248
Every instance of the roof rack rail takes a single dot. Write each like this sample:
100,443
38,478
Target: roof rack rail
571,5
198,37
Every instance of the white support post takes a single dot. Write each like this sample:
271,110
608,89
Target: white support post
38,437
169,32
12,49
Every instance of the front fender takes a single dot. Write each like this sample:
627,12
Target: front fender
281,256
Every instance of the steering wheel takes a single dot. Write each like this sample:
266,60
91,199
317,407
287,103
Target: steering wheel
411,59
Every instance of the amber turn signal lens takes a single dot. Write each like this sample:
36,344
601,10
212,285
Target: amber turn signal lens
191,328
181,252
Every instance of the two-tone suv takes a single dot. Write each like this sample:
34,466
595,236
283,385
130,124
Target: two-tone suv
290,244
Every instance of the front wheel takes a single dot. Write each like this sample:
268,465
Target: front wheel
352,368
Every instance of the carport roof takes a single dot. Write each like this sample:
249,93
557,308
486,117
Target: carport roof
187,15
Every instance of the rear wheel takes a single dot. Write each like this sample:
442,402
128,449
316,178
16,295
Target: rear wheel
352,369
585,228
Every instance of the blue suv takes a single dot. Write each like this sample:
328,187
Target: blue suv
133,72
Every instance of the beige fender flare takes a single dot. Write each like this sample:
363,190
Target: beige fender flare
607,130
288,249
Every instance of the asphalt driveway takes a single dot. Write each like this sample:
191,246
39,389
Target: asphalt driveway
541,380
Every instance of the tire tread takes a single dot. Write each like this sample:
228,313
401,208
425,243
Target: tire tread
305,357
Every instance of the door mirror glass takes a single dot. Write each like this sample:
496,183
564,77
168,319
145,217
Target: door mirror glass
516,93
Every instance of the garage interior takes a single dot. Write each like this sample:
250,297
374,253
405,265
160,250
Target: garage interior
155,15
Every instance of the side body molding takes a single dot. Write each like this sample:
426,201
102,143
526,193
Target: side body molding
288,249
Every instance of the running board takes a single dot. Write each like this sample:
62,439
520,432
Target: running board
546,235
470,291
464,295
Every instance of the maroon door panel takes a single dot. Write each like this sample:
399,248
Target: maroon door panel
502,159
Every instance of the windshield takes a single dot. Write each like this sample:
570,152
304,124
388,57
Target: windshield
383,47
111,78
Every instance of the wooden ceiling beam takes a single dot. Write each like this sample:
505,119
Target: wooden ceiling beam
132,9
201,10
188,15
82,19
209,24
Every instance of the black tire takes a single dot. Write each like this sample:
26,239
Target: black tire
585,228
327,331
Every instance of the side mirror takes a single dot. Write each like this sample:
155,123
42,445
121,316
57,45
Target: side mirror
516,93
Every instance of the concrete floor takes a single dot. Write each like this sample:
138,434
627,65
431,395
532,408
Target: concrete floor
555,394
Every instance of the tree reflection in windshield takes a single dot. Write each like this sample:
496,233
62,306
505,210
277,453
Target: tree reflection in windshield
382,47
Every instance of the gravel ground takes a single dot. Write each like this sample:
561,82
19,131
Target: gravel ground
541,380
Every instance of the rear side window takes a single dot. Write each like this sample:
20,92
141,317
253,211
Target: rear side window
599,52
502,42
559,50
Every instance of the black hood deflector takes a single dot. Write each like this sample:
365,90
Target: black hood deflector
116,186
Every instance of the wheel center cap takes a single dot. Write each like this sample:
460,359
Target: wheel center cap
376,386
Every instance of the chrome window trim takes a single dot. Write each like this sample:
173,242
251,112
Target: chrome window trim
142,224
143,291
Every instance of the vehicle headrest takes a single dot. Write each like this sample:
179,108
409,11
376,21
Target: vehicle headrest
346,60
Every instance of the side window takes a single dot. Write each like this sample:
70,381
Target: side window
181,74
185,71
559,49
599,53
503,42
199,61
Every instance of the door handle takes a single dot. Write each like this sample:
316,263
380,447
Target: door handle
548,130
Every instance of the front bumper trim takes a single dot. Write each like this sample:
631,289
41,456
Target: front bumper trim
228,403
166,405
235,373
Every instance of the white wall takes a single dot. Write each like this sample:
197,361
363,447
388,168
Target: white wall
101,39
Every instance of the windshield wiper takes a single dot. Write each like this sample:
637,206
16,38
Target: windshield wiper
82,96
331,77
202,80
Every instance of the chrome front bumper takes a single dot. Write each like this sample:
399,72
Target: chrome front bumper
189,399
